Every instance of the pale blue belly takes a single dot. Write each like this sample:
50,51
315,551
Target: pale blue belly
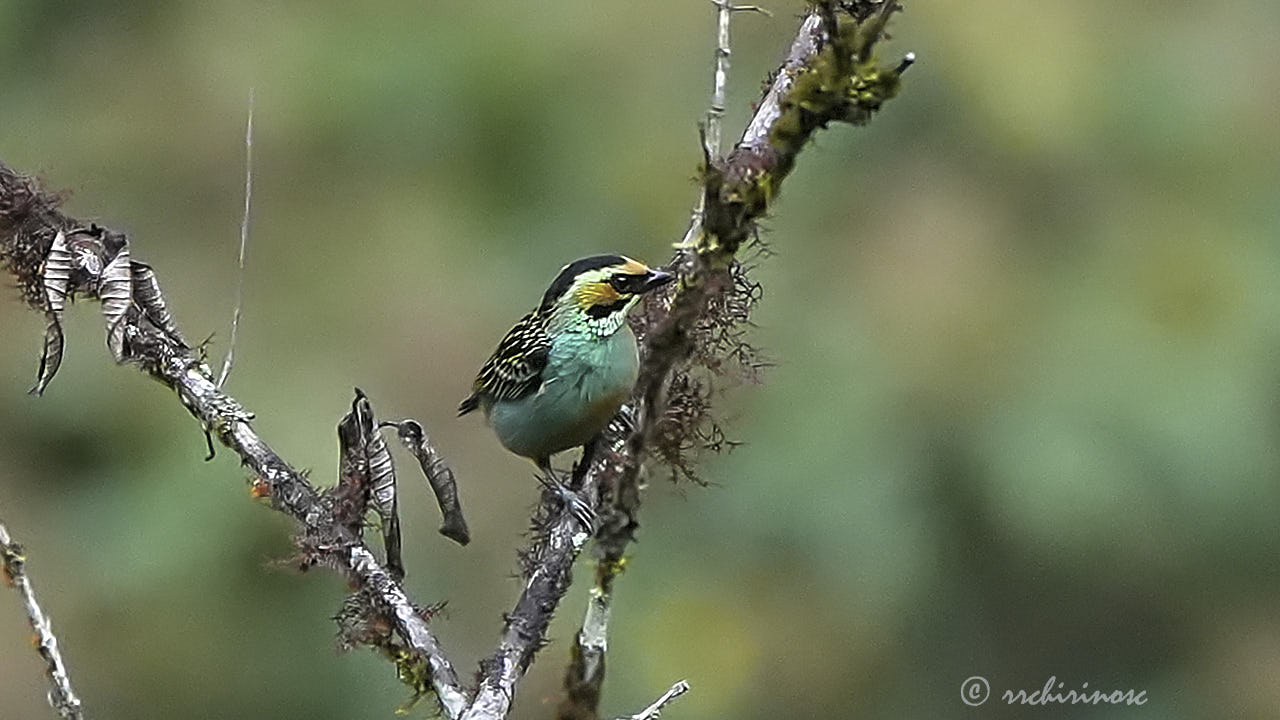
585,382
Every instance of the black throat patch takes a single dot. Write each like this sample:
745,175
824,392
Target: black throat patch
600,310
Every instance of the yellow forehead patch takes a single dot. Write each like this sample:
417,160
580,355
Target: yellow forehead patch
635,267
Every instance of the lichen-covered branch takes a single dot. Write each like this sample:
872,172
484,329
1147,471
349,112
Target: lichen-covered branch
13,567
558,538
830,74
141,333
550,559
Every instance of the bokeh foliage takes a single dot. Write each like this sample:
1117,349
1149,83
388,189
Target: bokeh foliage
1024,418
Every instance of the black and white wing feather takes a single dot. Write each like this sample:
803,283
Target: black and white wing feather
515,368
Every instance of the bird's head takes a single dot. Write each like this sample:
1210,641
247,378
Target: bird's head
599,290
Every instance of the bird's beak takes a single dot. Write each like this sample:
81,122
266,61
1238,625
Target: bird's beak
656,279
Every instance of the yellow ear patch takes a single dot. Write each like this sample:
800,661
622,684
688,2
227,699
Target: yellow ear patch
595,293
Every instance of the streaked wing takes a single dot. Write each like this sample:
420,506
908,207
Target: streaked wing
515,368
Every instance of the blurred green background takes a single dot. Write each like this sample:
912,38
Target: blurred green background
1023,422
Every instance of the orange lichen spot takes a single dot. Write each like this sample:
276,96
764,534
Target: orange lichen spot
259,489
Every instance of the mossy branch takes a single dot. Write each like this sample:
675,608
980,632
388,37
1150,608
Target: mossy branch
830,74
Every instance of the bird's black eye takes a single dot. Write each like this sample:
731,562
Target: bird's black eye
622,283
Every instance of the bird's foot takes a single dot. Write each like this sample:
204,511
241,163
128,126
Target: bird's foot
622,424
574,503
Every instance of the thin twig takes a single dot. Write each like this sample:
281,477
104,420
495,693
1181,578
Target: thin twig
655,710
61,697
244,241
715,115
719,88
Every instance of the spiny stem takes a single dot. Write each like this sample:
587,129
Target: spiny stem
61,697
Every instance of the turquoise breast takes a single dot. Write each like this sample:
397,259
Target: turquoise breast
586,380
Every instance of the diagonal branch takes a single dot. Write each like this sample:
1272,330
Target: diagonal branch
829,75
546,565
61,697
142,334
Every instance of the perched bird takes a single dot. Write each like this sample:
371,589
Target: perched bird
562,372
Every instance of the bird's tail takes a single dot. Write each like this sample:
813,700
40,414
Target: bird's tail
471,403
